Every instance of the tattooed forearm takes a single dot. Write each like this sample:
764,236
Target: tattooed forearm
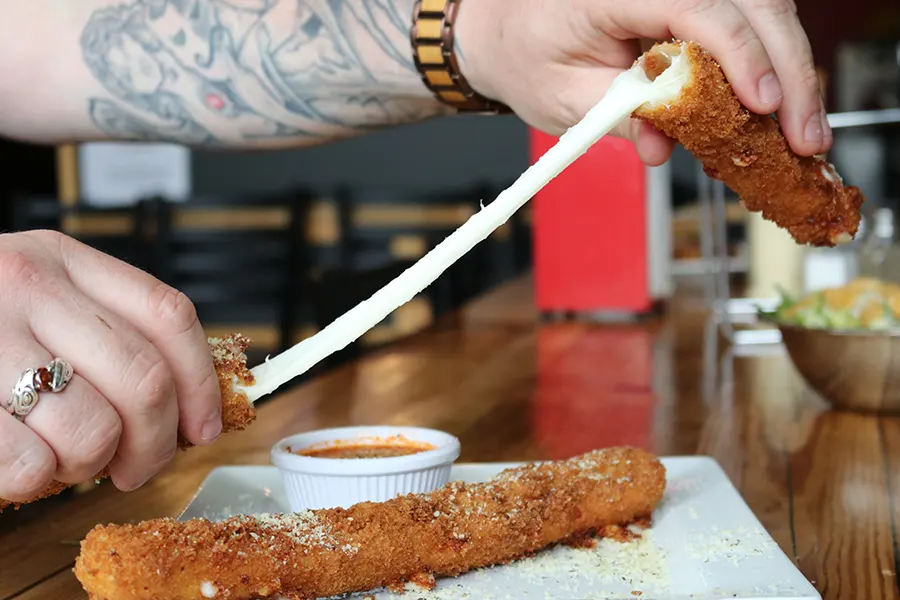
235,72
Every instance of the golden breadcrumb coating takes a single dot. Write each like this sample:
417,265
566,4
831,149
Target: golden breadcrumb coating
230,361
410,538
749,153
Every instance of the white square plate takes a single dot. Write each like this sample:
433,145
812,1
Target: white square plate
705,544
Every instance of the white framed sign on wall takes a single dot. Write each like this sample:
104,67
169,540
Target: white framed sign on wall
119,174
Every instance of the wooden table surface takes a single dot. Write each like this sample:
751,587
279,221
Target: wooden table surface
514,389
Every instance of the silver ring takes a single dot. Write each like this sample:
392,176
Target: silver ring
25,395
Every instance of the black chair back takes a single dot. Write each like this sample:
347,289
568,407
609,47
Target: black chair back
382,225
335,291
108,229
242,261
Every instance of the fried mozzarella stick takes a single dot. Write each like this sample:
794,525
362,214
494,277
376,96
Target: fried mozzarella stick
230,362
327,552
749,153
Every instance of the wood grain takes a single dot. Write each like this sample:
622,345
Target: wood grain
59,586
889,435
841,508
67,180
825,484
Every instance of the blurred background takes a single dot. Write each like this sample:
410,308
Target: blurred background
278,244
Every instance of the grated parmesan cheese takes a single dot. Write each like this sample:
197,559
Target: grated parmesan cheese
730,546
570,571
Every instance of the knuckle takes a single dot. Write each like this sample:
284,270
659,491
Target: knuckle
30,473
140,468
166,457
172,308
692,7
209,387
65,247
162,458
98,447
155,384
48,236
743,39
777,8
807,79
19,269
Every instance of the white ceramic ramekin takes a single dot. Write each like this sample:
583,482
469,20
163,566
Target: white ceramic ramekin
316,482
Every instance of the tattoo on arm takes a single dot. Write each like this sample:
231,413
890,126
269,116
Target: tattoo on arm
235,72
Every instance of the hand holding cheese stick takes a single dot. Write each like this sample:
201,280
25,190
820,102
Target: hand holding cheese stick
230,362
553,64
133,369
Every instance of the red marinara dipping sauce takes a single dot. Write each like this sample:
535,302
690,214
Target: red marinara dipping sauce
371,448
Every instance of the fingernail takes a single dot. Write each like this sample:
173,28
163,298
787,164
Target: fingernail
212,428
813,132
769,89
826,128
131,488
634,130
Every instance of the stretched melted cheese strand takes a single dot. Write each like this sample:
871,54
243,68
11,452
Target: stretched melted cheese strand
629,91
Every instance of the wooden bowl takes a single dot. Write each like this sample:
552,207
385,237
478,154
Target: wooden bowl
853,370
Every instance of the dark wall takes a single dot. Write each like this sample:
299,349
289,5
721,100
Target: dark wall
444,153
27,169
829,22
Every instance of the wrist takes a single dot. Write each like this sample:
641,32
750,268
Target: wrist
438,53
475,29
